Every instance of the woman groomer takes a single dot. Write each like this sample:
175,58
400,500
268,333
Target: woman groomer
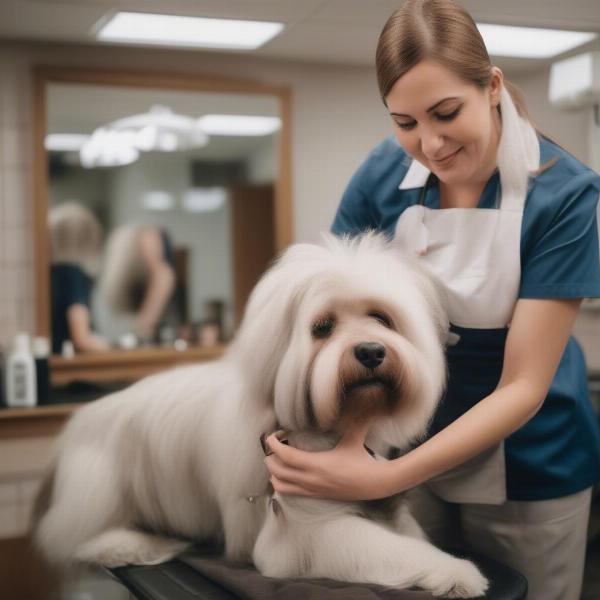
507,220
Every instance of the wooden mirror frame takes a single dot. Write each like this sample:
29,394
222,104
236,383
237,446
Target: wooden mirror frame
134,364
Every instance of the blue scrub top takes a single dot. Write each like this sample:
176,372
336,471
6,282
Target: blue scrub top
557,452
69,285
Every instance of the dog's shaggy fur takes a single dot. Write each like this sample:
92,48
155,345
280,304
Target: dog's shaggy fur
332,334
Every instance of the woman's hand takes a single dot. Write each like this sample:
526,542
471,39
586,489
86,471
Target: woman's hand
347,472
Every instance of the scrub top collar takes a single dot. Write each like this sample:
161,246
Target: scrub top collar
490,196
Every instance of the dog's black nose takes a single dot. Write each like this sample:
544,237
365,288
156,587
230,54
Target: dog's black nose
370,354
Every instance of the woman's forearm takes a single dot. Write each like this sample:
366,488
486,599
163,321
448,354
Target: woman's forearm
80,331
160,288
536,341
489,422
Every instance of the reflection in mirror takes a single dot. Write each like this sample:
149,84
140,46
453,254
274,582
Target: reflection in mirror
150,193
75,247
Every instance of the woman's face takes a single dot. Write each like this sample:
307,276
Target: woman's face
450,126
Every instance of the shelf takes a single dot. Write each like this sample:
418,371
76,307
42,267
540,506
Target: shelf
126,365
37,421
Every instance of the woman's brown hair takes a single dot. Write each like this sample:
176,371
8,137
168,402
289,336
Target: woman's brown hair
443,31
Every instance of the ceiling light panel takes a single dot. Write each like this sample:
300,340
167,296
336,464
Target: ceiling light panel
173,30
239,125
65,142
529,42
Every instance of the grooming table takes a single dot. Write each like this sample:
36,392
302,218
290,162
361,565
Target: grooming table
202,575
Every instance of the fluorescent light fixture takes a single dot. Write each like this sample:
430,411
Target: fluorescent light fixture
173,30
162,130
65,142
201,200
107,148
239,125
158,200
529,42
151,138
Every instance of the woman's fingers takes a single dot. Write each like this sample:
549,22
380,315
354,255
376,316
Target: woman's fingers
283,471
284,487
291,456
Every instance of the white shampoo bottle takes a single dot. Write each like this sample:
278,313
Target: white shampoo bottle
20,374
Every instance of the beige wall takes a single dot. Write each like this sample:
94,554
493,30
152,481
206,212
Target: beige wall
336,118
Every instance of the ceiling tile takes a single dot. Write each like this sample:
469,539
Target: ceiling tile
335,31
270,10
350,44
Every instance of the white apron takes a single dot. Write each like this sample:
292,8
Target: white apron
475,254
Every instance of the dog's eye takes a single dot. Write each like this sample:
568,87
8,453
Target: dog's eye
323,327
382,318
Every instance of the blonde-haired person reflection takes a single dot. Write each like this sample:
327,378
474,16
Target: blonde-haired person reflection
75,239
138,278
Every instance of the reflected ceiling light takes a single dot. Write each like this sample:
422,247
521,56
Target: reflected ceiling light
204,199
107,148
160,129
174,30
158,200
65,142
242,125
530,42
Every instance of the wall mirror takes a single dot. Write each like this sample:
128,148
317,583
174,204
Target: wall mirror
160,200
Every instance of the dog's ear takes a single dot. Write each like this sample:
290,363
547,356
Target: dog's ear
266,327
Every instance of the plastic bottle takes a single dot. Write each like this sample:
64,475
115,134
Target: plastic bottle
20,374
41,351
67,349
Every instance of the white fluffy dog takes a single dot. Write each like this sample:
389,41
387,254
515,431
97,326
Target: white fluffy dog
332,334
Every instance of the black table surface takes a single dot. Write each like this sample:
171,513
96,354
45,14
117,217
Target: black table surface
203,575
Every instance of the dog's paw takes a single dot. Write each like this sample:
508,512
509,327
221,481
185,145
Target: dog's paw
460,579
161,550
120,547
